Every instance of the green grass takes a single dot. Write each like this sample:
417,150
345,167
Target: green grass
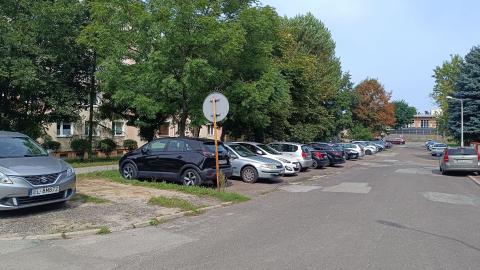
76,163
174,203
195,190
104,230
155,222
84,198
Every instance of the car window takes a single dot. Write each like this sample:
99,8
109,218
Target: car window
178,146
276,146
158,146
20,147
269,149
305,148
241,150
462,151
289,148
249,147
210,147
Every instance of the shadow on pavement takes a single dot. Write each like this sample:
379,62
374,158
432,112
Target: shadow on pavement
400,226
38,210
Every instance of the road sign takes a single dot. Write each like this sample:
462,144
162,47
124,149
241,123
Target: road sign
215,108
221,106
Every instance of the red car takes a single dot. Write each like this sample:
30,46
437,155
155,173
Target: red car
397,141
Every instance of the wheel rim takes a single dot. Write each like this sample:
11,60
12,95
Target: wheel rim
189,178
314,165
128,172
248,175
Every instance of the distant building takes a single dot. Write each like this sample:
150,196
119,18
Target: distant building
426,119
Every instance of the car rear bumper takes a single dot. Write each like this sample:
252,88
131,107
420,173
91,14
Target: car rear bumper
336,160
17,197
451,168
210,174
322,162
306,163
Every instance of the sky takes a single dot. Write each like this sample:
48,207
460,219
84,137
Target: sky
398,42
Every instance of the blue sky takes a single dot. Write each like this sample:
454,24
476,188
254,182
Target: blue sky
399,42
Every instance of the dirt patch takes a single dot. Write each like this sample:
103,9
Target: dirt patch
126,205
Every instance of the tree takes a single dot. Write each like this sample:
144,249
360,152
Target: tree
343,105
374,110
359,132
446,77
43,71
308,62
403,113
467,87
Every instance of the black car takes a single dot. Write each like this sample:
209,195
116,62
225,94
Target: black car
335,155
320,158
190,161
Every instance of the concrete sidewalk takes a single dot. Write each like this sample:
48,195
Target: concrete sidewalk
95,169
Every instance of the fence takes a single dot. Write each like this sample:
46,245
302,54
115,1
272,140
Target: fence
415,134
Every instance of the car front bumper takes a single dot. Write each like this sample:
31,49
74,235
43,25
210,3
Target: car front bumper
17,195
270,174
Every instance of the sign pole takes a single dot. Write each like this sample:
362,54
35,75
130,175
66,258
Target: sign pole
217,167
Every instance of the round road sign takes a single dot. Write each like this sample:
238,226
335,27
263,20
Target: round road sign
221,106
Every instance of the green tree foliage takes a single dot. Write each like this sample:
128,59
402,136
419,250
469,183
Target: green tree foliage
467,87
309,64
107,146
42,69
446,77
403,113
361,133
80,146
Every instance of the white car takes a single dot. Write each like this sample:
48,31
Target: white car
438,149
369,149
292,166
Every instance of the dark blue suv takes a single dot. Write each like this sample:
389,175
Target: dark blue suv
190,161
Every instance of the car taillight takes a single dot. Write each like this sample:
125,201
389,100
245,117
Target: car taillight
304,154
445,156
318,154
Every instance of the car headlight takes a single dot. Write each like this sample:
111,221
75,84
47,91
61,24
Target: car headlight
70,172
284,160
269,166
4,179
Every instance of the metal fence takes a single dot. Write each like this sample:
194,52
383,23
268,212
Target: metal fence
414,131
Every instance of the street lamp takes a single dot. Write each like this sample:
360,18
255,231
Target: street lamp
461,116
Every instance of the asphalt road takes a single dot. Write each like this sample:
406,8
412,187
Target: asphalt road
391,212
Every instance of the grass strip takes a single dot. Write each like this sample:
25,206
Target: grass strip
194,190
173,203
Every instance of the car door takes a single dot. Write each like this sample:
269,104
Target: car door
154,159
174,158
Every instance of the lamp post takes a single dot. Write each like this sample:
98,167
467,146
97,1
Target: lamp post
461,116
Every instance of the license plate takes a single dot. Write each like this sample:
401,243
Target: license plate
44,191
464,161
222,161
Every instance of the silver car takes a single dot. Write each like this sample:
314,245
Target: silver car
29,176
460,160
296,150
292,166
438,149
250,167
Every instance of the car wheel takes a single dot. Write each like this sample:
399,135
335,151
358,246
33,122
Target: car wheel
249,174
129,171
190,177
315,164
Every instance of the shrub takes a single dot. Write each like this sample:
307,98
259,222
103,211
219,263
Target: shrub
130,144
51,145
107,146
359,132
80,146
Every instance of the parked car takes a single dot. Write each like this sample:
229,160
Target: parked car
354,151
460,159
29,176
369,148
190,161
335,156
320,158
250,167
438,149
397,141
430,144
380,144
292,166
296,150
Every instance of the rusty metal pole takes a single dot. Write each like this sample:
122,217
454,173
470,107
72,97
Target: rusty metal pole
217,166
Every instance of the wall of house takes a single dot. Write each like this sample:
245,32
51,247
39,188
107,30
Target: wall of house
417,122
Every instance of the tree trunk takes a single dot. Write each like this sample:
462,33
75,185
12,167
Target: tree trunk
93,96
182,124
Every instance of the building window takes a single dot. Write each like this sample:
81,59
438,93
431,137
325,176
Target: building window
424,124
87,128
64,129
210,130
118,128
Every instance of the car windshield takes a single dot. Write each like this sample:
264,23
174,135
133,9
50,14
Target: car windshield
268,149
462,152
338,148
349,145
15,147
241,150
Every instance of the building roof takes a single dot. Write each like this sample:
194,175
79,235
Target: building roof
424,116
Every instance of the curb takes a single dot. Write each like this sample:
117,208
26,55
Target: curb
474,180
84,233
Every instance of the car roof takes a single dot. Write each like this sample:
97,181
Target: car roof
186,138
252,143
292,143
6,134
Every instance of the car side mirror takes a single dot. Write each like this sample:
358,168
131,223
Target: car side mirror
259,152
144,150
232,156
